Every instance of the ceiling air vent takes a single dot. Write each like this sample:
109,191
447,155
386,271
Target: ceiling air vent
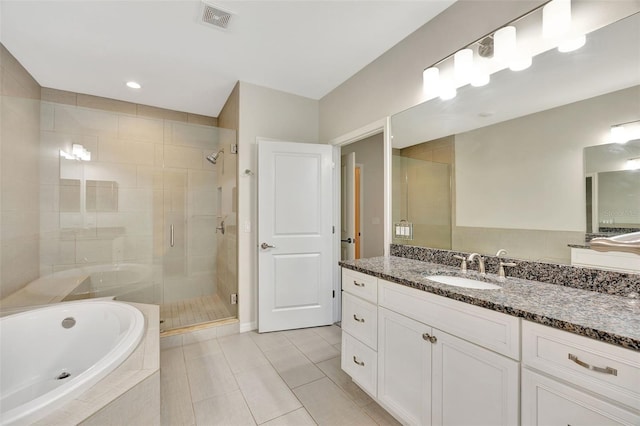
215,16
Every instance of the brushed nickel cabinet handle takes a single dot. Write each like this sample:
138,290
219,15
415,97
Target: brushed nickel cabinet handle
171,236
360,363
358,284
605,370
429,338
358,319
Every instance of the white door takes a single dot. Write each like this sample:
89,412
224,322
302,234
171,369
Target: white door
348,210
295,233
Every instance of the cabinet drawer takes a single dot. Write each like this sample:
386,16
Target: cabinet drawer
600,367
492,330
361,285
360,362
548,402
360,319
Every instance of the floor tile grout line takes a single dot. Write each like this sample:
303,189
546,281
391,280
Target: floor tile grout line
235,378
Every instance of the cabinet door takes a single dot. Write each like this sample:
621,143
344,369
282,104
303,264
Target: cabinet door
547,402
472,385
404,368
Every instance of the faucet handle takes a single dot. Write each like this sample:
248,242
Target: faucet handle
501,273
463,265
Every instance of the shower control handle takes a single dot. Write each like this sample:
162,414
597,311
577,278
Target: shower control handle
172,240
265,246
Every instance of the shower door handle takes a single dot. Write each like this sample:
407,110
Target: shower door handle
171,238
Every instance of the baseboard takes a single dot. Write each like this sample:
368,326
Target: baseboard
248,326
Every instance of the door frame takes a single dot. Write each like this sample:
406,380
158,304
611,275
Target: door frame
378,126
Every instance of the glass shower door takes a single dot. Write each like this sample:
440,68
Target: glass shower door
193,229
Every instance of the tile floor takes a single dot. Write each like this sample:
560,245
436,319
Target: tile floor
282,378
194,311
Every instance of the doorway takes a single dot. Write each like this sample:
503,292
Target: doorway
362,195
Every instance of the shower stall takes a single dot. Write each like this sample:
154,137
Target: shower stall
422,200
144,208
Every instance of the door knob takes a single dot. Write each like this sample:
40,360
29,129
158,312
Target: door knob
265,246
348,240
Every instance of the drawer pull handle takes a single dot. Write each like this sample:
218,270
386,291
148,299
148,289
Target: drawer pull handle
358,319
357,284
430,338
360,363
606,370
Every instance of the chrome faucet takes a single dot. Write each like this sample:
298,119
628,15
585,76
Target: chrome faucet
473,256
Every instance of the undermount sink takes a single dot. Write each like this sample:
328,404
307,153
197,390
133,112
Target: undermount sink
462,282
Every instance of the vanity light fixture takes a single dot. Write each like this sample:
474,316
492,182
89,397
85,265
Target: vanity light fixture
78,152
505,44
463,65
624,132
447,89
501,49
133,85
633,163
431,81
572,44
556,19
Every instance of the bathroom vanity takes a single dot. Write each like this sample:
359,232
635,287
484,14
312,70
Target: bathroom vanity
529,353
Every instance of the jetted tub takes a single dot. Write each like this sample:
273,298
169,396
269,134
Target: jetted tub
52,354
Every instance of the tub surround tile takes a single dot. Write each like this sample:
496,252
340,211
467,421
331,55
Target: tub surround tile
610,318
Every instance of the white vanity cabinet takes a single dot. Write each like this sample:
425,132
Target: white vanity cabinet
428,376
359,356
571,379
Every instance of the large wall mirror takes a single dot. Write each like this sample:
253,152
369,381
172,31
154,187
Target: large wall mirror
504,166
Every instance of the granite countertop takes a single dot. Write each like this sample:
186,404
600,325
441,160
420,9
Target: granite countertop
608,318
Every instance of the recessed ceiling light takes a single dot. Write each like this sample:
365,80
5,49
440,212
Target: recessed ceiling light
133,85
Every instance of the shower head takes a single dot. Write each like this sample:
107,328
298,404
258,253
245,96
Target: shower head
213,158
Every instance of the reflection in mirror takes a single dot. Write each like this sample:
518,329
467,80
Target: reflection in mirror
517,164
102,196
612,174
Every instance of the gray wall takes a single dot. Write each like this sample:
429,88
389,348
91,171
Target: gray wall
370,154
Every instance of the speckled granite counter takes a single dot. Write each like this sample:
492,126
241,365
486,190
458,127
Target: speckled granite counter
609,318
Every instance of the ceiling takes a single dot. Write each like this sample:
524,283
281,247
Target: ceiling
302,47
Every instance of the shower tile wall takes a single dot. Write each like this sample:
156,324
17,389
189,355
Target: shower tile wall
19,139
145,174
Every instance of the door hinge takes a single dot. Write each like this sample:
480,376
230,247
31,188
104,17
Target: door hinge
333,229
234,298
334,294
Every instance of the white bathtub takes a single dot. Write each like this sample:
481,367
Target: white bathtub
82,341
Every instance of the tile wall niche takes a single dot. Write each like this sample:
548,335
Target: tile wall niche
19,174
